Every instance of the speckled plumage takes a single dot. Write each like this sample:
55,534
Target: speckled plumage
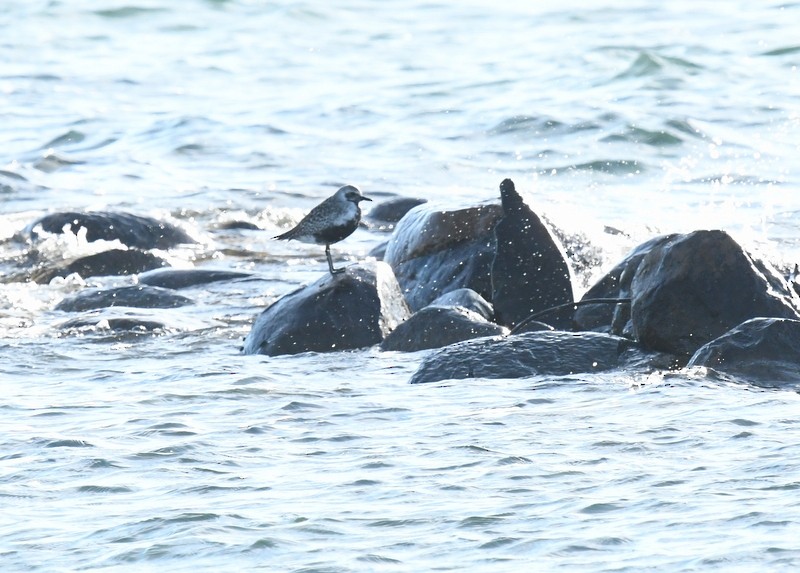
329,222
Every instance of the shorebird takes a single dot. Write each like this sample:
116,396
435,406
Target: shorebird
329,222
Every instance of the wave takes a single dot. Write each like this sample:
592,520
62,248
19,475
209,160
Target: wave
649,63
609,166
635,134
537,125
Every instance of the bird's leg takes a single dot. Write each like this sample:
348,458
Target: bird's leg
330,261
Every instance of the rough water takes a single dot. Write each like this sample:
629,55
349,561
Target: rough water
169,450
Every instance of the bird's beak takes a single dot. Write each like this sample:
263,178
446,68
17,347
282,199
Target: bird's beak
365,198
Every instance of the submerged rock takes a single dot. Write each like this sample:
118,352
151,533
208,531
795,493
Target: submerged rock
555,353
437,326
119,321
434,250
131,230
695,287
131,296
530,273
184,278
354,309
114,262
237,225
764,351
100,323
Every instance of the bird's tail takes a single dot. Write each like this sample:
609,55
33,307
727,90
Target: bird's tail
288,235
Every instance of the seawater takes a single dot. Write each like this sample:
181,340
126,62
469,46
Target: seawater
171,451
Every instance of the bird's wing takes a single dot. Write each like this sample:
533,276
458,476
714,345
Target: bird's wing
319,214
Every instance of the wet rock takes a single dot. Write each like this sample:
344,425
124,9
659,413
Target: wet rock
130,296
354,309
185,278
695,287
466,298
555,353
764,351
115,262
529,271
131,230
616,284
437,326
434,250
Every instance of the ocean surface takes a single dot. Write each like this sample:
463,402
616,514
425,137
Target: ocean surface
171,451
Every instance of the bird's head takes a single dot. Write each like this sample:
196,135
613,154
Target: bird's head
352,193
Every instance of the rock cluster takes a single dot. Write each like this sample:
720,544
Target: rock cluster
133,239
489,285
469,273
135,249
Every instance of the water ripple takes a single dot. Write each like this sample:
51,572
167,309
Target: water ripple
171,451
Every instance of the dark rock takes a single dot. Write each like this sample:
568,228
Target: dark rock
616,284
392,210
116,262
184,278
695,287
354,309
466,298
131,296
765,351
533,353
529,271
131,230
436,326
435,250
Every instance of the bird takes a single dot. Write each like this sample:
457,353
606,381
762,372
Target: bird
329,222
